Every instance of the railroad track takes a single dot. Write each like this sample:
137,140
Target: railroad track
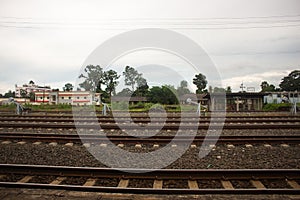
162,181
167,126
143,115
93,138
147,120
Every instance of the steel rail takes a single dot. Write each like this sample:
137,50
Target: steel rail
146,116
160,174
128,126
94,138
147,120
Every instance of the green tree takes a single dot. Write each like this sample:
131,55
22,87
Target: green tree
217,89
68,87
200,82
9,94
163,95
291,82
23,93
131,76
93,78
110,80
32,96
228,89
182,89
265,87
210,89
31,82
126,92
142,87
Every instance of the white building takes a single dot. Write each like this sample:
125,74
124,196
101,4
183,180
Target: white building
67,97
282,97
28,88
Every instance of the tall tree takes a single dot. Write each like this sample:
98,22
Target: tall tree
291,82
126,92
31,82
266,87
68,87
201,82
110,80
142,86
219,89
93,78
164,95
9,94
228,89
131,77
182,89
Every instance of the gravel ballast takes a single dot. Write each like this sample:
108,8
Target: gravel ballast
220,157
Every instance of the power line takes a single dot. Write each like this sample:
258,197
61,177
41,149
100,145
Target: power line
255,53
159,19
156,26
171,23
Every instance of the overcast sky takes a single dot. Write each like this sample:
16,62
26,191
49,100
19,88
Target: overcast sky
248,41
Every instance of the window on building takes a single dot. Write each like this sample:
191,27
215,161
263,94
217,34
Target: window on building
62,97
47,97
84,97
278,95
70,97
296,95
77,97
41,97
291,94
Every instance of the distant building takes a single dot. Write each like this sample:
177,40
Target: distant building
67,97
282,97
236,101
131,100
42,97
28,88
200,98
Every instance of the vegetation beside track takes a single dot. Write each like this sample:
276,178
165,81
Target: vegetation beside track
121,106
278,107
138,107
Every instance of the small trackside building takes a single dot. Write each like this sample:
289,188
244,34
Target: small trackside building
238,101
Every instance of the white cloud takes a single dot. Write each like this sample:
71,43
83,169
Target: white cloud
68,31
254,80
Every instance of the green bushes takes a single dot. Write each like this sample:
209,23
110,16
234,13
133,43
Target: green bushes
39,107
122,106
277,107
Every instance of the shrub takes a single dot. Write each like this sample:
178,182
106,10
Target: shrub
277,107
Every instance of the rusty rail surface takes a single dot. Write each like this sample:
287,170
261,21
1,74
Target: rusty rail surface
159,178
158,139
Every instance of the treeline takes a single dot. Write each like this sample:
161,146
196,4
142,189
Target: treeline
289,83
96,79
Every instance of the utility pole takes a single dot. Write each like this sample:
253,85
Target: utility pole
44,94
242,87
